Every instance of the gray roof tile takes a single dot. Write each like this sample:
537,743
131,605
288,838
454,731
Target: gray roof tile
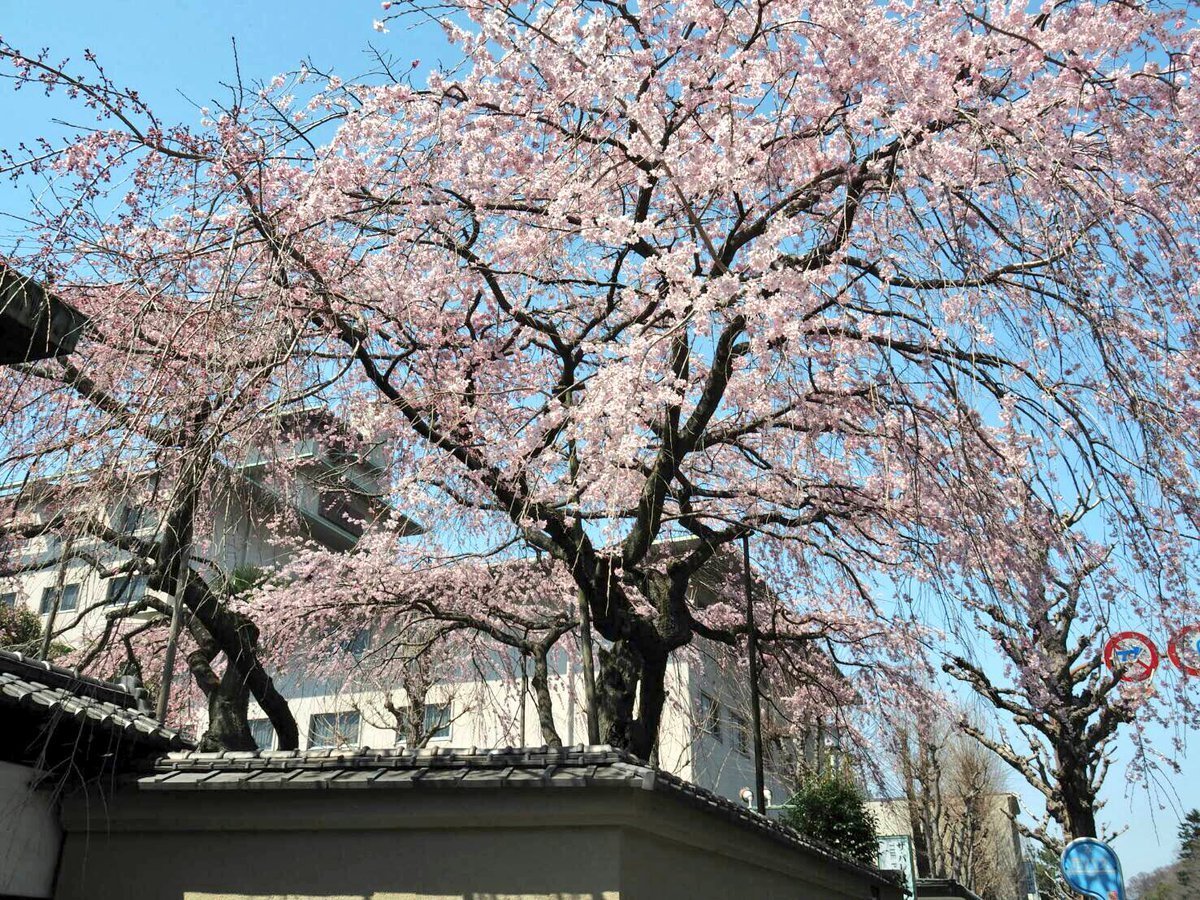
395,778
38,685
357,778
265,780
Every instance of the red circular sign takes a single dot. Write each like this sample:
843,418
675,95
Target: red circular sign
1135,652
1184,649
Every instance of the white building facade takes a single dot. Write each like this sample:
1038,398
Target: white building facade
705,735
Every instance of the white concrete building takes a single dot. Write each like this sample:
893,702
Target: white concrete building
255,523
705,734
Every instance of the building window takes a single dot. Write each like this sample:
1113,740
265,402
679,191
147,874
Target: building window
437,721
435,724
710,715
401,713
741,733
125,590
356,645
343,509
339,729
132,518
9,598
70,598
263,733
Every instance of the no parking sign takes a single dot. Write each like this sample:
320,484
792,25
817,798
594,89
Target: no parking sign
1134,653
1184,650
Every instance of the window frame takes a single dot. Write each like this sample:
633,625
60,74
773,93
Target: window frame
270,744
50,590
709,714
336,718
357,644
445,720
131,596
132,517
431,736
740,727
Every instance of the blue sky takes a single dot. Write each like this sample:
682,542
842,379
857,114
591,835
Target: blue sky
178,53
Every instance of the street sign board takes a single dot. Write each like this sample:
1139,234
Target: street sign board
1091,867
1133,651
1184,650
896,853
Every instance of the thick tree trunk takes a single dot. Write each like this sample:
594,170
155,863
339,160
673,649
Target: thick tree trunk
238,638
1078,798
633,669
542,700
630,680
650,704
228,725
616,693
227,696
1081,817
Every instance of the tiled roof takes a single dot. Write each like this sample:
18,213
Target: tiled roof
40,686
443,769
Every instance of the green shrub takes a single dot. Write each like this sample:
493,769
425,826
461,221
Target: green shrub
20,629
832,809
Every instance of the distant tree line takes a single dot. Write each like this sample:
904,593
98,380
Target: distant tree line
1181,879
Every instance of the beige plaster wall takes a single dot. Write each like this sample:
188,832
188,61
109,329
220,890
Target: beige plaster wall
656,869
891,816
355,865
675,852
453,844
29,834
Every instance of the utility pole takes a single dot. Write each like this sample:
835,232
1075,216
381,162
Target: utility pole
524,691
589,671
760,800
179,530
164,693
